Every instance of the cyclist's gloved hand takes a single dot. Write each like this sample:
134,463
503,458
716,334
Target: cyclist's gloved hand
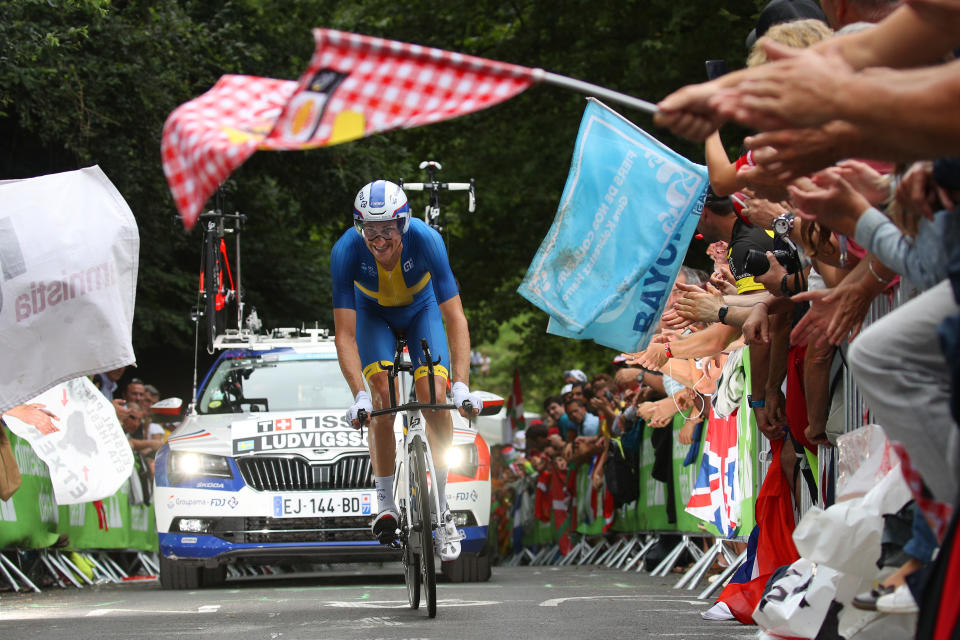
362,401
462,393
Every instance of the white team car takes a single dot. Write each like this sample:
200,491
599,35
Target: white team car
265,468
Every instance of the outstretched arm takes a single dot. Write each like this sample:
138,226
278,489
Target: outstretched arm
458,337
345,339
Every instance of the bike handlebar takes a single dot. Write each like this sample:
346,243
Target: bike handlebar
363,416
436,186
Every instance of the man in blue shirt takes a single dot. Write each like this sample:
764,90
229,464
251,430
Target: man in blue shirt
392,274
582,423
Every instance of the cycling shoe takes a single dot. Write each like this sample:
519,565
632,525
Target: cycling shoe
447,538
385,526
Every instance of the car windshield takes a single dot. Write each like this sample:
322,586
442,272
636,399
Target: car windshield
275,382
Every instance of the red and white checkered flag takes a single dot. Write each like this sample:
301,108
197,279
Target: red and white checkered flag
206,139
355,86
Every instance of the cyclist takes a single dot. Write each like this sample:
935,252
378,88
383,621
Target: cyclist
393,274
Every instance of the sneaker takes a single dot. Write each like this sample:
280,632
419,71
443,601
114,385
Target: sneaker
867,601
447,538
719,611
385,526
900,601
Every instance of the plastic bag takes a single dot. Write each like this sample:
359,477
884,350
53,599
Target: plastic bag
865,457
797,603
847,536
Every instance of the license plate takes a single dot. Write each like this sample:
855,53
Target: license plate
294,506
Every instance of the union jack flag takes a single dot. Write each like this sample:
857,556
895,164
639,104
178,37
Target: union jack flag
714,497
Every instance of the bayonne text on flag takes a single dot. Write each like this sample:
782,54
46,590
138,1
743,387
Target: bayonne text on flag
354,86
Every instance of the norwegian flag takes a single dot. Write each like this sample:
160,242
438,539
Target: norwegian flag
354,86
515,406
714,496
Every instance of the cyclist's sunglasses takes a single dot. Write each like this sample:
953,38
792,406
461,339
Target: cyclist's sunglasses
386,230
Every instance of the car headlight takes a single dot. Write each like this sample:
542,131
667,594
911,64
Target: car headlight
187,465
463,460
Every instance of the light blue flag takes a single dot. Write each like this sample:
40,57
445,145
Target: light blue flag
626,217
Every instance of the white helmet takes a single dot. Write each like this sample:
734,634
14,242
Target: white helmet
381,201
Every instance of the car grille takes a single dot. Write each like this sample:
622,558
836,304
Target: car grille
265,473
256,530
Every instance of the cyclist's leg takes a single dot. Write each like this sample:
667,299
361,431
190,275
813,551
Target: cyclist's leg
376,346
428,323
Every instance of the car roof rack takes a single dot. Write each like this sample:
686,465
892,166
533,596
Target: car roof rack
277,338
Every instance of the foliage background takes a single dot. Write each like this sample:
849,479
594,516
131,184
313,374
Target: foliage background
87,82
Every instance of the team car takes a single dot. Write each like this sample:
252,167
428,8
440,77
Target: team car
265,468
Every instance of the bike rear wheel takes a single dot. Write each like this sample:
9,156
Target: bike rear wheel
420,507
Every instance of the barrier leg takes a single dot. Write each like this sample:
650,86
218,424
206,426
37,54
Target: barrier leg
593,553
723,577
99,571
6,574
569,558
148,563
13,567
110,562
668,563
644,550
695,574
53,563
67,562
611,551
543,554
622,556
53,571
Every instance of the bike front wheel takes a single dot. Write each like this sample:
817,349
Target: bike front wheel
423,523
411,572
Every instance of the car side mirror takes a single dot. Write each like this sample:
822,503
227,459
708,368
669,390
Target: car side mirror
492,403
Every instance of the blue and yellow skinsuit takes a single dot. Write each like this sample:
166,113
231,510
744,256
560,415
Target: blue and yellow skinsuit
406,298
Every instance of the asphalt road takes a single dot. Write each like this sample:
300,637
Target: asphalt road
369,602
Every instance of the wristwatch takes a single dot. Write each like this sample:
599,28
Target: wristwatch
722,314
756,404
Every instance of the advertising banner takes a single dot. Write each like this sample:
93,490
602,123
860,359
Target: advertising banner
69,251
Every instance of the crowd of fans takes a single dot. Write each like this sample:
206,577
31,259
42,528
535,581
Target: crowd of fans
847,193
133,408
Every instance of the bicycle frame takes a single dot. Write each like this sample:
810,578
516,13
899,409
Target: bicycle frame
413,429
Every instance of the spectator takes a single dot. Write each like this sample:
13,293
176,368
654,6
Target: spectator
582,423
134,391
151,395
108,382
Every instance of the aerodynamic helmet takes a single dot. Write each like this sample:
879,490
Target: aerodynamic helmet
381,201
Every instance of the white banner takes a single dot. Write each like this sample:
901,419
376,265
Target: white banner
69,251
88,455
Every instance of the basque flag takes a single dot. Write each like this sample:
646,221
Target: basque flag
714,497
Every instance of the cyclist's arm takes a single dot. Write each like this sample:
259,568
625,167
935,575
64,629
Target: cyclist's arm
458,337
345,339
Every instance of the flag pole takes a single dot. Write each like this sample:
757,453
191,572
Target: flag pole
598,91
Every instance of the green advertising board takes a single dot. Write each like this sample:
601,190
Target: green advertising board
32,519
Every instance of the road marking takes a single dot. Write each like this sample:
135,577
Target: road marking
403,604
556,602
97,613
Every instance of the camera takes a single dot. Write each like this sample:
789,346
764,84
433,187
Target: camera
784,250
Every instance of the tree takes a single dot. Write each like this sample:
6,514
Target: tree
92,81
